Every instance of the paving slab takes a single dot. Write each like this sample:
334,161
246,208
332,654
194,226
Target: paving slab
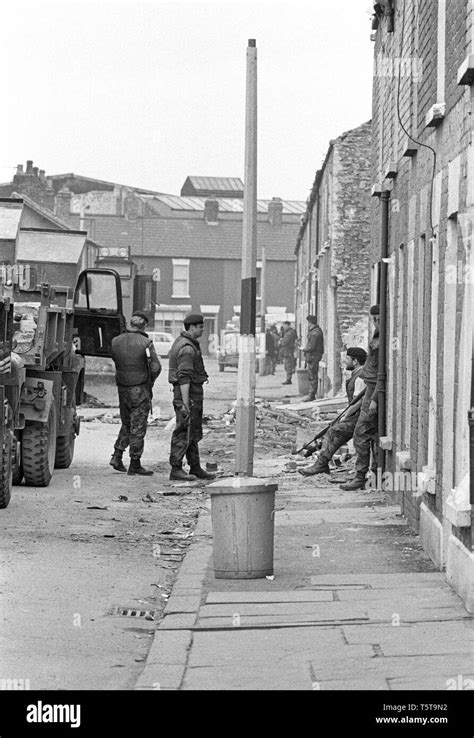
181,621
178,603
372,516
419,667
382,581
170,647
275,596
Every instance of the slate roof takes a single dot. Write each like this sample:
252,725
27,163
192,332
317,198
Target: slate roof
60,247
194,238
10,216
207,185
226,204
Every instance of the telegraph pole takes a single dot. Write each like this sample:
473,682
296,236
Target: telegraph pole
245,407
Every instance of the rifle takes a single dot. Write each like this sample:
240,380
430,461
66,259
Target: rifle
321,433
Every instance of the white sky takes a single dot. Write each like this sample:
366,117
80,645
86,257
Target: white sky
147,93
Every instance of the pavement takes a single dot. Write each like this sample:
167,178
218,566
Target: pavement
354,604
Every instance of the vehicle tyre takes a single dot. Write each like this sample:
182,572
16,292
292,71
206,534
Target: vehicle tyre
18,463
221,367
6,471
39,450
65,444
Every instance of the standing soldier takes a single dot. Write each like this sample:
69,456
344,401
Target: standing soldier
313,353
136,369
366,431
287,350
187,375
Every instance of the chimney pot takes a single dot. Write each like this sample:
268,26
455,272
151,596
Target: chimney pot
35,171
41,175
29,166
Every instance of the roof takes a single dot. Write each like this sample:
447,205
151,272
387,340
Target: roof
226,205
44,212
10,216
104,183
62,247
194,238
215,185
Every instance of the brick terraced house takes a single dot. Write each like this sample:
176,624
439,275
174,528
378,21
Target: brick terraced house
423,201
176,253
332,253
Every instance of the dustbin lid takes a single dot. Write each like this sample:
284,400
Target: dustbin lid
241,485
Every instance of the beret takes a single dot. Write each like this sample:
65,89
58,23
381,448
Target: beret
193,319
140,314
357,353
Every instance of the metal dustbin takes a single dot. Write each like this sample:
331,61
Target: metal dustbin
303,381
242,514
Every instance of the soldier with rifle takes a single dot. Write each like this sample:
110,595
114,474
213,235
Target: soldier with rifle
342,429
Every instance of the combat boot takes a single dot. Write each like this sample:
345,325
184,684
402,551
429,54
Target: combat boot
319,467
288,381
116,461
308,398
136,468
178,474
200,473
357,483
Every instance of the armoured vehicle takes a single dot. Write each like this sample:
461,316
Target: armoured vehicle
45,333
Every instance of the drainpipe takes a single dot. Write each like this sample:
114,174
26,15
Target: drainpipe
316,254
381,375
470,420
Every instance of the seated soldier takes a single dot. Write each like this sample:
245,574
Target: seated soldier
342,431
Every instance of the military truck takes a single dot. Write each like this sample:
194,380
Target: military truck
45,333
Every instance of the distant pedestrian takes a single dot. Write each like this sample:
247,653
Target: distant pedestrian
313,353
287,350
342,431
269,352
366,430
187,375
276,341
136,369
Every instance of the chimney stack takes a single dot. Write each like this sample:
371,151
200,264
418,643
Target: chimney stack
211,210
35,171
29,166
62,203
19,168
275,211
42,175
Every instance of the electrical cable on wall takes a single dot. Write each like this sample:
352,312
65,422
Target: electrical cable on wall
419,143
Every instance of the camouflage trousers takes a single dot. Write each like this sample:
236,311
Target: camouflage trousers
313,376
366,435
187,432
339,434
134,408
289,364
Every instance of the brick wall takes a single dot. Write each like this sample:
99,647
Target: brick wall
339,240
411,192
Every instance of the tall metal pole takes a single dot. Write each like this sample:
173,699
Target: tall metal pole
263,369
245,408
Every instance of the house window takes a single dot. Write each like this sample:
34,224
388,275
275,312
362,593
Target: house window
180,278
